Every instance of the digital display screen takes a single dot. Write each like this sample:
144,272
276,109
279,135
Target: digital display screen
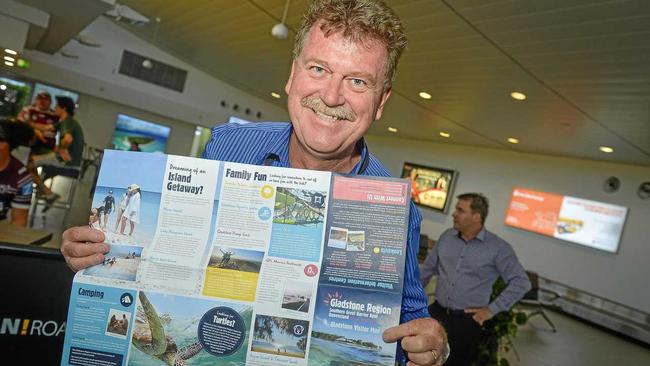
430,187
132,134
594,224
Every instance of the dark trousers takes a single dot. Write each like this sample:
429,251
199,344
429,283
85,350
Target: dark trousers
50,171
463,334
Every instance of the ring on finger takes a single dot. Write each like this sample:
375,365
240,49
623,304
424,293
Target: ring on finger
435,355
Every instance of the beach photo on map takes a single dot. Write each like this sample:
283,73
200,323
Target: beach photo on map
120,263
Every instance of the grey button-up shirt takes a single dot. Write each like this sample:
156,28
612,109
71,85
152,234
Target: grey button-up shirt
467,270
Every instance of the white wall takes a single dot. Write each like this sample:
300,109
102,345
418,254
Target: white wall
620,277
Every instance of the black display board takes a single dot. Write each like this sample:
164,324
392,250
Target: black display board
35,285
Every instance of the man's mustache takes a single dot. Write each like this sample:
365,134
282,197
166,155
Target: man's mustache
319,106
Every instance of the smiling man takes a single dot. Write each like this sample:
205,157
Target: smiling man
345,56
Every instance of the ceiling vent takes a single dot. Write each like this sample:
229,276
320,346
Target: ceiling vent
152,71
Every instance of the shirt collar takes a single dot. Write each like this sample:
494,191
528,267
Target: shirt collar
480,236
277,152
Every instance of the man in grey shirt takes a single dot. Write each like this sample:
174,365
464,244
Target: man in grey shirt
468,259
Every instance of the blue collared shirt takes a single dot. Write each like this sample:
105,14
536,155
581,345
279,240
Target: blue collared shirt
467,270
268,144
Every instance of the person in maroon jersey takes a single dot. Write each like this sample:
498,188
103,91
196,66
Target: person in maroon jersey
15,180
43,120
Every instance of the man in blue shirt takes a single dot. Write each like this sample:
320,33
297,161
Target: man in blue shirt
468,259
344,60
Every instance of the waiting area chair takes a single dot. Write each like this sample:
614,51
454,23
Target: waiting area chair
67,184
533,299
92,157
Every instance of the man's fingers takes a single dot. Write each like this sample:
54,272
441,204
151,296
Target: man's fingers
411,363
82,247
478,319
83,234
394,334
77,264
423,358
80,250
417,344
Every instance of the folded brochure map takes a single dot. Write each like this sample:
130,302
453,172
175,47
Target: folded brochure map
218,263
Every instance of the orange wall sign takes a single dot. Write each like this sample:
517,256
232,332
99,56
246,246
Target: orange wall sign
594,224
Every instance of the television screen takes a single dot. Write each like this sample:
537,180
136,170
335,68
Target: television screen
54,92
430,187
590,223
14,95
132,134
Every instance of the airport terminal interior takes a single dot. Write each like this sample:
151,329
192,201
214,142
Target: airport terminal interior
523,101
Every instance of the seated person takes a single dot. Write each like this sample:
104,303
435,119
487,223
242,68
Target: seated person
15,180
43,120
66,159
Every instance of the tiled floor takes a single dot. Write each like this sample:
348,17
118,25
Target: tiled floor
575,344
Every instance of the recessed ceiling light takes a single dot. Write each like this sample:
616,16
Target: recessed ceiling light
606,149
3,87
513,140
392,129
425,95
10,51
518,95
275,95
10,59
9,63
445,134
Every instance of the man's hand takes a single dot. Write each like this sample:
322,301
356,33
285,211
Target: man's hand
65,154
39,135
83,247
423,340
481,315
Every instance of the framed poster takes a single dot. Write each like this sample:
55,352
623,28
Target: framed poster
430,187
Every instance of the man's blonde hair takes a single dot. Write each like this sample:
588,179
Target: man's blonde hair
359,21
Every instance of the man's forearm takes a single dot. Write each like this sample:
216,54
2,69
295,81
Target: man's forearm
66,141
516,289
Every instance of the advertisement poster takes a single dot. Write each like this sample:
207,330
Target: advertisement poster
594,224
222,263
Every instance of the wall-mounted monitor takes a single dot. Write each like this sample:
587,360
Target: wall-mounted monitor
132,134
14,95
594,224
54,92
430,187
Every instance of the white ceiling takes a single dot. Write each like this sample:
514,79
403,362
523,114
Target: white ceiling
584,64
50,24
